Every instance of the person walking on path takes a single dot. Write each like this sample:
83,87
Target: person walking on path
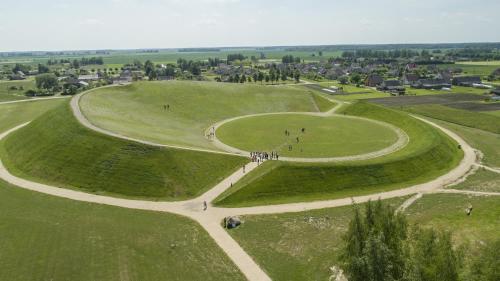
205,206
243,169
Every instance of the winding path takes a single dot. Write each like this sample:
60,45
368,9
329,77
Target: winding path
210,219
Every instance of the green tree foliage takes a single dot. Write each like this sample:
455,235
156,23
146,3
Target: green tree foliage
46,81
431,257
356,78
43,68
378,248
374,244
21,67
343,79
486,266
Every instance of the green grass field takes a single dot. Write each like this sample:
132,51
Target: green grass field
461,117
15,114
429,154
138,110
494,113
8,94
332,136
472,68
484,141
302,246
323,103
454,89
56,149
49,238
482,180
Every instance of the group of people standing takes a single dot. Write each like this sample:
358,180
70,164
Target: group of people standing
263,156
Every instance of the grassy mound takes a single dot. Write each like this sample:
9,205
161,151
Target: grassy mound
15,114
138,110
466,118
56,149
303,246
49,238
331,136
429,154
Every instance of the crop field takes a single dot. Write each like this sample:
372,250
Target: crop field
139,110
332,136
303,246
428,154
49,238
56,149
14,90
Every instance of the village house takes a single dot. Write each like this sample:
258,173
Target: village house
466,81
433,83
410,78
89,77
373,80
392,86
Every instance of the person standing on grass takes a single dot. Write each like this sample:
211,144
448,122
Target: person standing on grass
243,169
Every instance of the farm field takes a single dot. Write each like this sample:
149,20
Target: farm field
480,69
14,90
138,110
303,246
494,113
56,149
332,136
59,239
462,117
428,154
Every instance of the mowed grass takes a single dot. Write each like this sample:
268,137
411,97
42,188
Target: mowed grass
482,180
461,117
8,94
49,238
303,246
331,136
138,110
14,114
323,103
57,150
429,154
487,142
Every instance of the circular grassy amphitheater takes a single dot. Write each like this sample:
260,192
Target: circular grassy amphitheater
58,150
302,135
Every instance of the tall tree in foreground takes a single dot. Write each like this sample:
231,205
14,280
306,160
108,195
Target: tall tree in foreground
374,248
378,248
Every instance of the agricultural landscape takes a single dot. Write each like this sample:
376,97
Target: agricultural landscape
321,162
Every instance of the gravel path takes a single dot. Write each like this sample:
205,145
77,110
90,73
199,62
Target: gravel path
211,218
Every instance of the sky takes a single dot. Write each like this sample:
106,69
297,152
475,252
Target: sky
39,25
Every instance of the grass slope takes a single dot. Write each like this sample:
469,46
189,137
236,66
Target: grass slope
56,149
462,117
429,154
331,136
49,238
482,180
14,114
138,110
8,94
322,103
487,142
302,246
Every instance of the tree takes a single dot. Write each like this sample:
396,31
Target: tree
255,77
47,81
374,244
485,266
261,77
42,68
431,257
343,80
296,75
267,78
356,78
149,67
